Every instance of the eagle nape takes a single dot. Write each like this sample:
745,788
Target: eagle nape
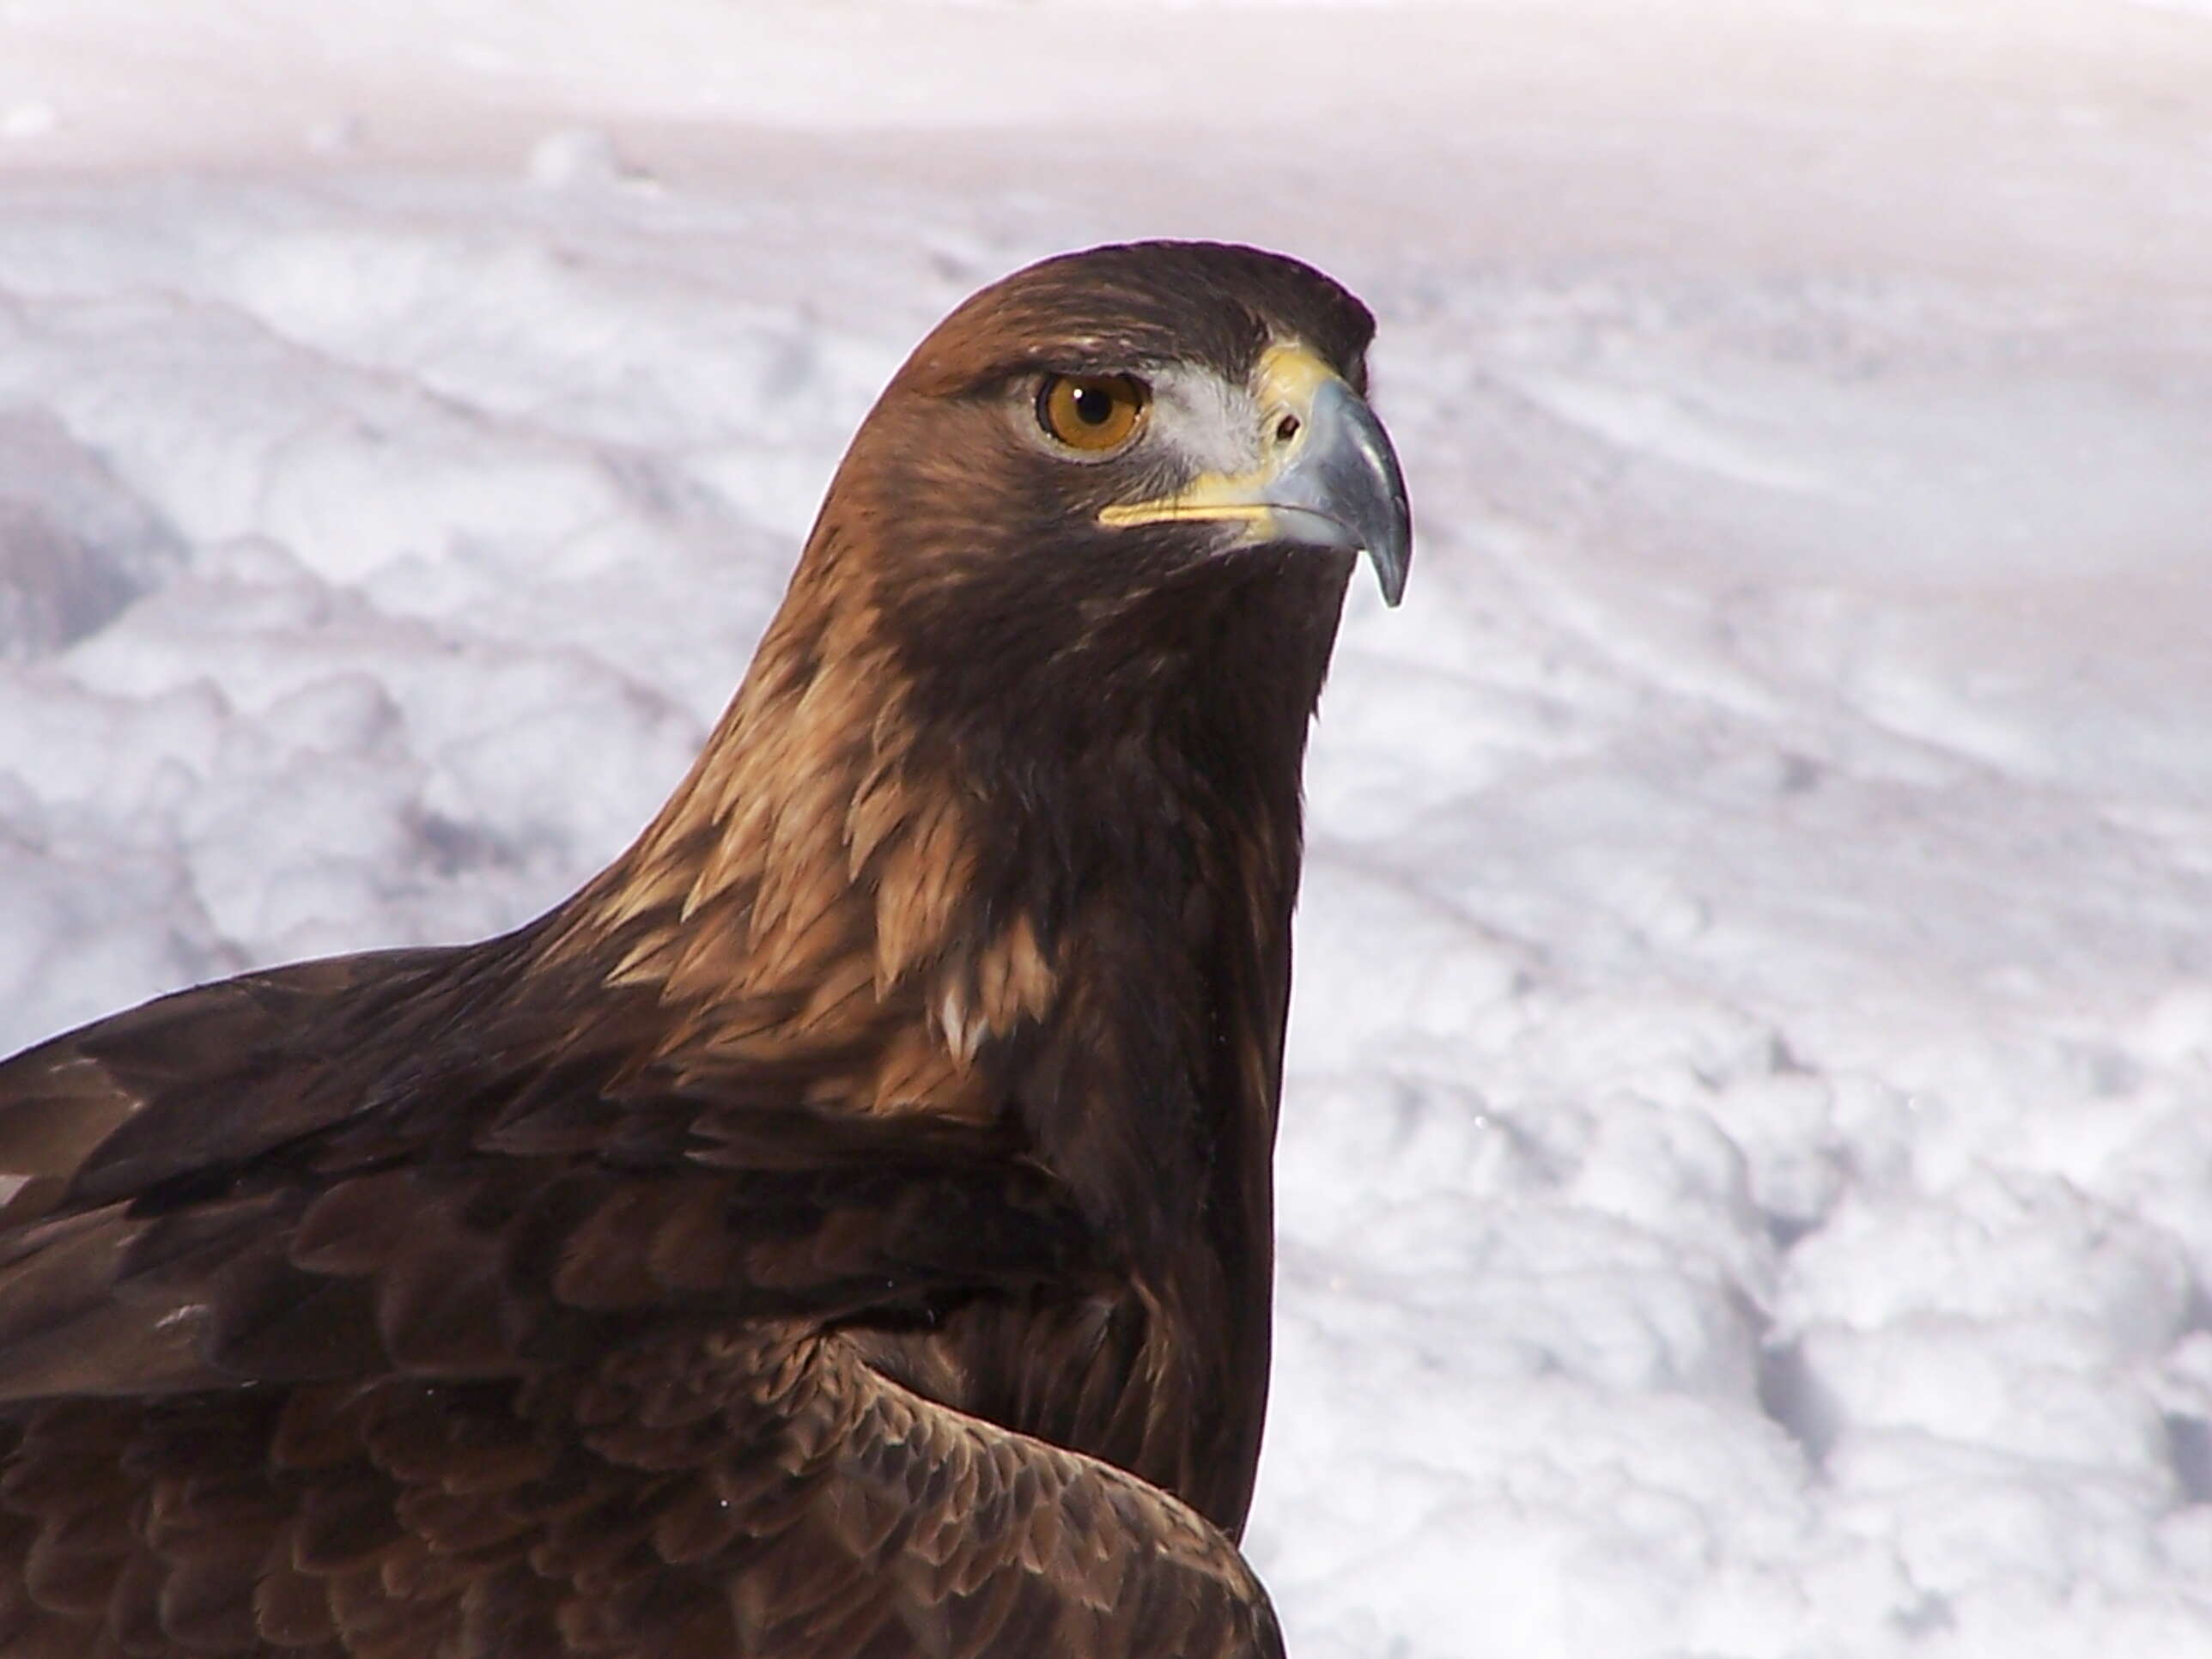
843,1229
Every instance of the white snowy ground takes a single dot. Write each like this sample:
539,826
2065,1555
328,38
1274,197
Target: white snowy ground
1747,1173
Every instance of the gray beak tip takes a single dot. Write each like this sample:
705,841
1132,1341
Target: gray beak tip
1354,474
1392,559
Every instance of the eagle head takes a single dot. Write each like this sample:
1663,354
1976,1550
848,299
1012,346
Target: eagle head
1084,465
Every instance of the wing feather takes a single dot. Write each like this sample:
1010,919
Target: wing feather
554,1373
265,1181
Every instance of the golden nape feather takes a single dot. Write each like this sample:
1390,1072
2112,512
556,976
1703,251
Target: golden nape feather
842,1228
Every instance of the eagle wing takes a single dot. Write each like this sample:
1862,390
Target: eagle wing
236,1185
766,1495
292,1363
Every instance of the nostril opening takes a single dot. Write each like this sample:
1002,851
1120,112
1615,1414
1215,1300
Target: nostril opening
1287,429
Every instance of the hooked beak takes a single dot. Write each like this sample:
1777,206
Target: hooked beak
1330,479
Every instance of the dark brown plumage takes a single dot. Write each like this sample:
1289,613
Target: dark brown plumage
843,1227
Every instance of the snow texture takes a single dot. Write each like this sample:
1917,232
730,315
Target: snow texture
1746,1166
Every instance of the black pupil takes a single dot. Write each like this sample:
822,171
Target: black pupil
1094,406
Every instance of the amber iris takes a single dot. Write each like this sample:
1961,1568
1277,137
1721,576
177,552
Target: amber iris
1093,413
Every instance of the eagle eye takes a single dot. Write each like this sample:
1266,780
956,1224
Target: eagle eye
1092,414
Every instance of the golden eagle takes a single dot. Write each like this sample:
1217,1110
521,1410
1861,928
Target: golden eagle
843,1227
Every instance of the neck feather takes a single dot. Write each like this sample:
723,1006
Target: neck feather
1094,929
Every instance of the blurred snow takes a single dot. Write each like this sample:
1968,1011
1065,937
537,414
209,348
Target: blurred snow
1746,1163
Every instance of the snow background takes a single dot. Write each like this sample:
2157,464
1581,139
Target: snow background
1747,1170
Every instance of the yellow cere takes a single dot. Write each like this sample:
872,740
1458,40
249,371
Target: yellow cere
1289,376
1284,383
